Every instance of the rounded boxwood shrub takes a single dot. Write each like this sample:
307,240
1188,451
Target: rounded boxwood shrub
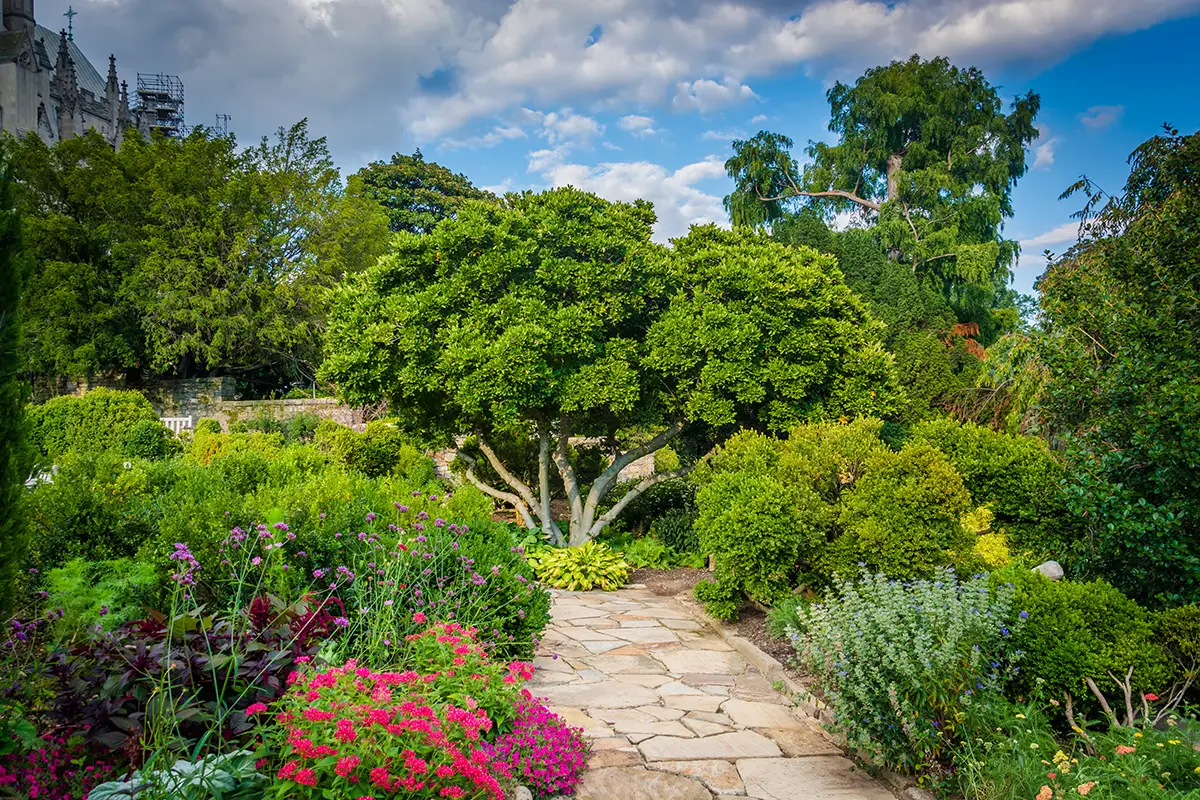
1016,477
148,439
903,517
94,422
1079,630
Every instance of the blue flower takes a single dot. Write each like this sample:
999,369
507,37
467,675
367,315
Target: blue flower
1024,615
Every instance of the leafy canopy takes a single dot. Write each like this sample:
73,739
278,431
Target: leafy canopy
417,194
185,256
553,315
923,147
1121,347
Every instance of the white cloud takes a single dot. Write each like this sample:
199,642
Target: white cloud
1102,116
758,119
637,125
382,75
700,55
706,95
723,136
497,135
677,201
565,126
1067,233
1043,150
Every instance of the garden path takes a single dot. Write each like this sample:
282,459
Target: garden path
675,713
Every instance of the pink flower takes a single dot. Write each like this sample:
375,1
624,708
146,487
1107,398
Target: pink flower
256,708
1124,749
345,731
345,766
305,777
1149,696
419,618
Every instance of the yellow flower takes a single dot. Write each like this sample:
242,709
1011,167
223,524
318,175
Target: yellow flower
1174,741
1137,736
1020,716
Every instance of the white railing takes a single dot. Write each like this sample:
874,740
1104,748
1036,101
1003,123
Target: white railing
177,424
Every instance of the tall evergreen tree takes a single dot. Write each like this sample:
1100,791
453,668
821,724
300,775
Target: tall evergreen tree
925,150
12,393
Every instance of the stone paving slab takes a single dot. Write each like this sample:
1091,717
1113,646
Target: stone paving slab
675,713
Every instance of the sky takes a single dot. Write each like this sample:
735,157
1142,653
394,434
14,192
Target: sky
642,98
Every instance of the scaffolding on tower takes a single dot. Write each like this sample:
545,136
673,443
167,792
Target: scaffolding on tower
160,104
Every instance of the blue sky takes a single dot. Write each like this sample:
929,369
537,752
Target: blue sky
641,98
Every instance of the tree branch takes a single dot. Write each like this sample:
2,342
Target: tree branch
507,497
851,196
548,525
602,484
632,495
512,480
570,482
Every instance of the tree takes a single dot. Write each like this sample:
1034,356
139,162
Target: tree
551,316
1121,346
925,149
12,394
933,353
416,193
186,256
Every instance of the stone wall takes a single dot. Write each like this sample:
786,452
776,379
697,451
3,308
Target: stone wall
215,398
228,412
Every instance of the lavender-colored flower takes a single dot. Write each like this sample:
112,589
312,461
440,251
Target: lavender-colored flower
370,517
342,622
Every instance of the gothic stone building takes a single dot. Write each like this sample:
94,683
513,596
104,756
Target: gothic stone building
47,85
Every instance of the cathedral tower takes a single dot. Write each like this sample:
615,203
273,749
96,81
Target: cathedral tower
18,15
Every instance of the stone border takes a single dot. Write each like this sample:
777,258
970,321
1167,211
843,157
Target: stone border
903,785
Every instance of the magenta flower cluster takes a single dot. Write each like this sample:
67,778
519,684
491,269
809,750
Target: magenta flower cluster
543,753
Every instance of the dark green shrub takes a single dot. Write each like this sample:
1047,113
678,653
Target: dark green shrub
759,530
1178,630
1082,630
676,528
379,450
14,457
95,422
149,439
1015,476
903,517
296,429
93,509
657,501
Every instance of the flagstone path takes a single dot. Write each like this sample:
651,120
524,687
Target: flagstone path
675,713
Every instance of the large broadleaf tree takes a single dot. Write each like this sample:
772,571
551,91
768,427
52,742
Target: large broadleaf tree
553,316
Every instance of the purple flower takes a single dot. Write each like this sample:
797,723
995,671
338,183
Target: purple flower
256,561
370,517
342,622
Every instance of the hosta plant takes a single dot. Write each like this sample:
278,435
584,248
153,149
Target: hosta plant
580,569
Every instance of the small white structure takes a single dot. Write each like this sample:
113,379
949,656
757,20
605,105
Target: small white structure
177,424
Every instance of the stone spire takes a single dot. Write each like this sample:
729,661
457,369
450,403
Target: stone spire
68,88
112,99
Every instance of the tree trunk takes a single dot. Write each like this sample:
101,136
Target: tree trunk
894,162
